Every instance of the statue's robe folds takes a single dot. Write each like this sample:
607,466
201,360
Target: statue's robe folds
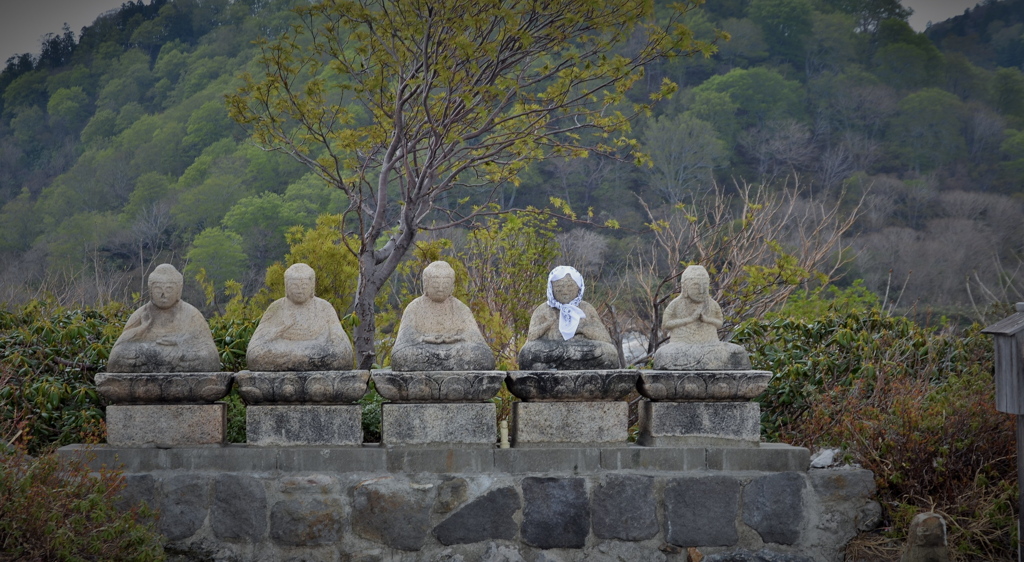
155,340
590,349
306,337
440,336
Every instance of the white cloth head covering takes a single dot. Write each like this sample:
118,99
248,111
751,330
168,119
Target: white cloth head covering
568,314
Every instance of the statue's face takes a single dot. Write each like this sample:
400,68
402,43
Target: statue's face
565,289
438,286
695,289
164,293
299,289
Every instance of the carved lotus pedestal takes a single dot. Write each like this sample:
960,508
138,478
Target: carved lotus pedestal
701,408
165,409
303,407
569,408
438,407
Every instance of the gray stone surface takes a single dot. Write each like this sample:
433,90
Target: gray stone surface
447,460
184,505
548,423
161,388
300,332
702,385
843,484
699,423
304,425
567,355
926,539
577,386
438,331
624,508
773,506
166,424
138,489
302,387
438,386
653,458
393,512
488,517
702,511
743,555
165,335
765,457
331,459
451,493
556,512
239,510
548,460
306,521
439,424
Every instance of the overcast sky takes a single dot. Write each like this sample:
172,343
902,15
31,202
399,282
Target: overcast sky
23,23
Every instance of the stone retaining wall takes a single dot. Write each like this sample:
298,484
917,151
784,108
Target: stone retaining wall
533,504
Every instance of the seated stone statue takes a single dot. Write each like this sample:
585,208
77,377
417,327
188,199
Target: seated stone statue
300,332
692,321
165,335
438,332
566,332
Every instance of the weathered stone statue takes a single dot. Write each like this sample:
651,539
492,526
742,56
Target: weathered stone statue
166,334
300,332
438,332
566,332
692,321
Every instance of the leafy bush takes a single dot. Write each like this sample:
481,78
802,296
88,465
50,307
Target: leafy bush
914,406
53,509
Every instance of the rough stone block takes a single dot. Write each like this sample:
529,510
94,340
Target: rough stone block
700,423
183,507
440,460
654,458
393,512
766,457
239,511
306,521
843,484
547,423
331,459
702,511
488,517
439,424
744,555
566,460
304,424
773,506
166,424
556,513
138,488
624,508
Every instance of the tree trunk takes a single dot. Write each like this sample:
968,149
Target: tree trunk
366,330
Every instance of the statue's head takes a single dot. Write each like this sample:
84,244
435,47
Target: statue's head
165,286
299,283
565,285
696,283
438,281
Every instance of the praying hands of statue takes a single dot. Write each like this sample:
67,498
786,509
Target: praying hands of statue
443,338
673,323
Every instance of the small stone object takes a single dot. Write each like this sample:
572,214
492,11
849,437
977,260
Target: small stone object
438,331
692,321
566,332
926,541
166,334
300,332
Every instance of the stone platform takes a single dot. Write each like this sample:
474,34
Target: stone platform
569,423
166,425
309,424
444,503
461,424
721,424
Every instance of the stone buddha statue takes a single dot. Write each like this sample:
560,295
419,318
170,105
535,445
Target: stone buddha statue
437,331
566,332
165,335
300,332
692,321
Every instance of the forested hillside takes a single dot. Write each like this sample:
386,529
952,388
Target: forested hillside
117,152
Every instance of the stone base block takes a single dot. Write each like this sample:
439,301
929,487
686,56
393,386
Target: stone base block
460,424
167,424
700,424
304,424
569,423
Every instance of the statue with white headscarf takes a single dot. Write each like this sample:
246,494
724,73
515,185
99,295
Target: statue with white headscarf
566,332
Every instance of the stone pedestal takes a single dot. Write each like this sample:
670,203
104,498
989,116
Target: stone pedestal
569,423
310,424
166,424
700,424
458,424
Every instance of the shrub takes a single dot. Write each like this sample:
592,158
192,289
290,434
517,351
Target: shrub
914,406
53,509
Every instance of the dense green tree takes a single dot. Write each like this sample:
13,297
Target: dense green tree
786,24
760,95
928,129
1008,93
219,253
69,107
870,13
